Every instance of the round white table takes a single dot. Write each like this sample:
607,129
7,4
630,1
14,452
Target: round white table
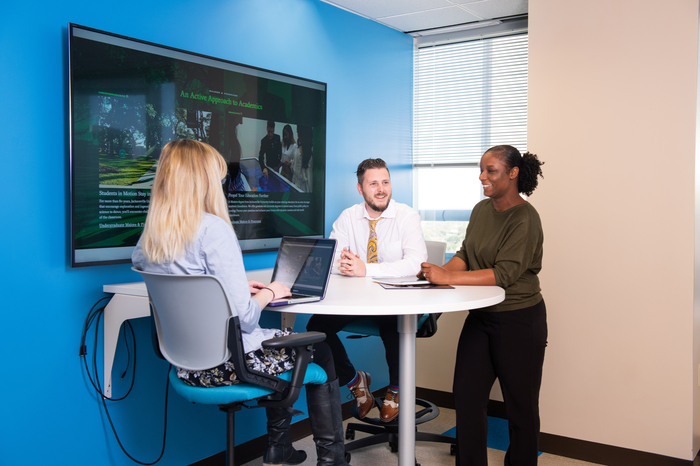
362,296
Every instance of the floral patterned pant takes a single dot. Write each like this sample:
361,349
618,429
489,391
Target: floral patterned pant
267,360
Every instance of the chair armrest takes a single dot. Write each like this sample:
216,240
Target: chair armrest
286,393
294,340
303,346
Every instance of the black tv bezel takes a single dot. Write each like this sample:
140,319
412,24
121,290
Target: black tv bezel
247,245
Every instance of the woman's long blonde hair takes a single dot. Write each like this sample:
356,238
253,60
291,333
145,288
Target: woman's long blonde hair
187,184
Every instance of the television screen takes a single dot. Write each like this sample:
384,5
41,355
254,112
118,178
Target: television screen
128,98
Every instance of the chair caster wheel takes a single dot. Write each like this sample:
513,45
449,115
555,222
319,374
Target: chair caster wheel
348,456
394,447
350,434
453,449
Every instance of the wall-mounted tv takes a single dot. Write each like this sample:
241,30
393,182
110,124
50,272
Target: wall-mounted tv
128,98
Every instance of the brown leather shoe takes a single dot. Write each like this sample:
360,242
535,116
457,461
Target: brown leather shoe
362,394
390,407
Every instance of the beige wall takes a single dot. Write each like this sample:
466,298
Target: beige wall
435,356
434,372
612,111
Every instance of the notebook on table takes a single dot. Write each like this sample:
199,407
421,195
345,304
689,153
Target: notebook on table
304,265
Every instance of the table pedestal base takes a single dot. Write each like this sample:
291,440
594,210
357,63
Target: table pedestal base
407,328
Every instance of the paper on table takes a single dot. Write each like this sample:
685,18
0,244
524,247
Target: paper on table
429,286
401,281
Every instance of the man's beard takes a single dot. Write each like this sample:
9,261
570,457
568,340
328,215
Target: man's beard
375,207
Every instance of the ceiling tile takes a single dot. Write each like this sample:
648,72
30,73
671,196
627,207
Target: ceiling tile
430,19
494,8
417,15
377,9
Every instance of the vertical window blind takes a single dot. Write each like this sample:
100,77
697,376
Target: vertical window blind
469,96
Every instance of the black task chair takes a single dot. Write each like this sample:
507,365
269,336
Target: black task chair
196,328
389,431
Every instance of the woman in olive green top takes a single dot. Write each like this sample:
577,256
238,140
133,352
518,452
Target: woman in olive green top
503,246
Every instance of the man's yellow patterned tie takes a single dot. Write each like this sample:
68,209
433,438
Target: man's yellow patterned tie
372,243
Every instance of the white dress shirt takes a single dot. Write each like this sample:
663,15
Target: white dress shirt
400,244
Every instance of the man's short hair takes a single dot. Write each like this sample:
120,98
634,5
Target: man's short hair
271,124
368,164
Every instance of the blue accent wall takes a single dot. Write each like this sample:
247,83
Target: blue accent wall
49,411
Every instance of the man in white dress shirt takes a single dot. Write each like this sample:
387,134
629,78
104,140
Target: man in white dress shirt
376,238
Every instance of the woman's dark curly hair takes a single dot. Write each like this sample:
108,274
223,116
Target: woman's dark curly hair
529,165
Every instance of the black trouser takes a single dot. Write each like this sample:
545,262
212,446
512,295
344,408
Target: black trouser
323,356
331,325
509,346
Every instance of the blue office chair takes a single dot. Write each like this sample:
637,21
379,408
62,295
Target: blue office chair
196,328
389,431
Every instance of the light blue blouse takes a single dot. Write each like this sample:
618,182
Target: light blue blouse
216,251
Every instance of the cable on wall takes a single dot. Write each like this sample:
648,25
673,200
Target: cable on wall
93,318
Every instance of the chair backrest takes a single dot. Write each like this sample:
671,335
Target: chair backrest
436,252
427,324
191,314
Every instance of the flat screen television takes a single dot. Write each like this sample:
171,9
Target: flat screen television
128,98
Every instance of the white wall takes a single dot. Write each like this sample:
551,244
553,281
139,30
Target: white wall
612,112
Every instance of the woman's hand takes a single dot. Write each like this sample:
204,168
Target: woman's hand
255,286
434,274
280,290
455,273
274,290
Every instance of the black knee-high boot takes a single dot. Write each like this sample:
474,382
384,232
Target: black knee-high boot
279,448
323,401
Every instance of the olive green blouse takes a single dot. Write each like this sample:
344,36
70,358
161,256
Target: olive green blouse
510,243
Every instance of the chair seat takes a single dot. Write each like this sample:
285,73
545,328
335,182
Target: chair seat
368,326
236,393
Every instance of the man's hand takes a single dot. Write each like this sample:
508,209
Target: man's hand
434,274
350,264
265,172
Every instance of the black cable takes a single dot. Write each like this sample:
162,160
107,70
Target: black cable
96,372
165,423
83,348
88,322
128,351
94,317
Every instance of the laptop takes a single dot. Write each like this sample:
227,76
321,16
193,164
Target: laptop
304,265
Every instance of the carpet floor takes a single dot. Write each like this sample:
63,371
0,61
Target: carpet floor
432,454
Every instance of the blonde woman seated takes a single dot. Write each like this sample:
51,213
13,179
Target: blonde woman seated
188,232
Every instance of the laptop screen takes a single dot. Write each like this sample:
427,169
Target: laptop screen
304,264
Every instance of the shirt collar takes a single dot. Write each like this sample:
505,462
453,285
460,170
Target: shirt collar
390,211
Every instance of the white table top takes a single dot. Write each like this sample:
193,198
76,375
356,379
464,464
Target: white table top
348,294
131,289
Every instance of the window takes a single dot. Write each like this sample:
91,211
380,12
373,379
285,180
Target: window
468,96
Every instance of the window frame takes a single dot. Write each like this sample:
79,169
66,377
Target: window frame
422,162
